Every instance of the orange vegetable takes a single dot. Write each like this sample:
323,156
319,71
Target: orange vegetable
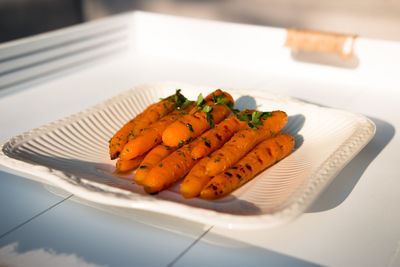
128,165
264,155
243,141
197,121
216,137
136,125
169,170
195,180
150,160
151,136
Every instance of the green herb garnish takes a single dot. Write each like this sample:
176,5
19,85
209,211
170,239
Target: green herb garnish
179,101
190,127
210,119
200,100
254,118
207,109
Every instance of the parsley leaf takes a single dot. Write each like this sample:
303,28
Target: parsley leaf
242,116
254,118
200,100
185,105
179,101
207,109
210,118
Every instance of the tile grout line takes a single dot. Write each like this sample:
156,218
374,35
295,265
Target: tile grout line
189,247
34,217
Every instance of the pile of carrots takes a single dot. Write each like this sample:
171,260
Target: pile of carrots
201,142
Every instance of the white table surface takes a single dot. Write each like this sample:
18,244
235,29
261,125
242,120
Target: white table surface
355,222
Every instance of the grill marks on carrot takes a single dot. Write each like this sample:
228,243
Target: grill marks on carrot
216,137
243,141
249,166
169,141
136,125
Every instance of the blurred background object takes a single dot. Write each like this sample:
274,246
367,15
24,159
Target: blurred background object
370,18
21,18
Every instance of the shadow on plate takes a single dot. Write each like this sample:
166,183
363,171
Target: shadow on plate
244,102
343,184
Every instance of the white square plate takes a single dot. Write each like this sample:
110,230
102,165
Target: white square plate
72,153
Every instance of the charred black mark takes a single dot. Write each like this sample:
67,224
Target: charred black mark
228,173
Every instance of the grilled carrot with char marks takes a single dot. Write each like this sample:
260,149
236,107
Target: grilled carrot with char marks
200,119
151,136
136,125
150,160
216,137
264,155
243,141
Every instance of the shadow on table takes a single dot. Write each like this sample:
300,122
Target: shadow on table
79,235
344,183
216,250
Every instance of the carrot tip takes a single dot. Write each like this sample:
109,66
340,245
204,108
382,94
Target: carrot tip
208,195
114,156
150,190
187,194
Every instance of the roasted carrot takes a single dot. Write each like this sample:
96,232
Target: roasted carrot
216,137
264,155
128,165
151,136
243,141
195,180
137,124
170,169
150,160
151,114
200,119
